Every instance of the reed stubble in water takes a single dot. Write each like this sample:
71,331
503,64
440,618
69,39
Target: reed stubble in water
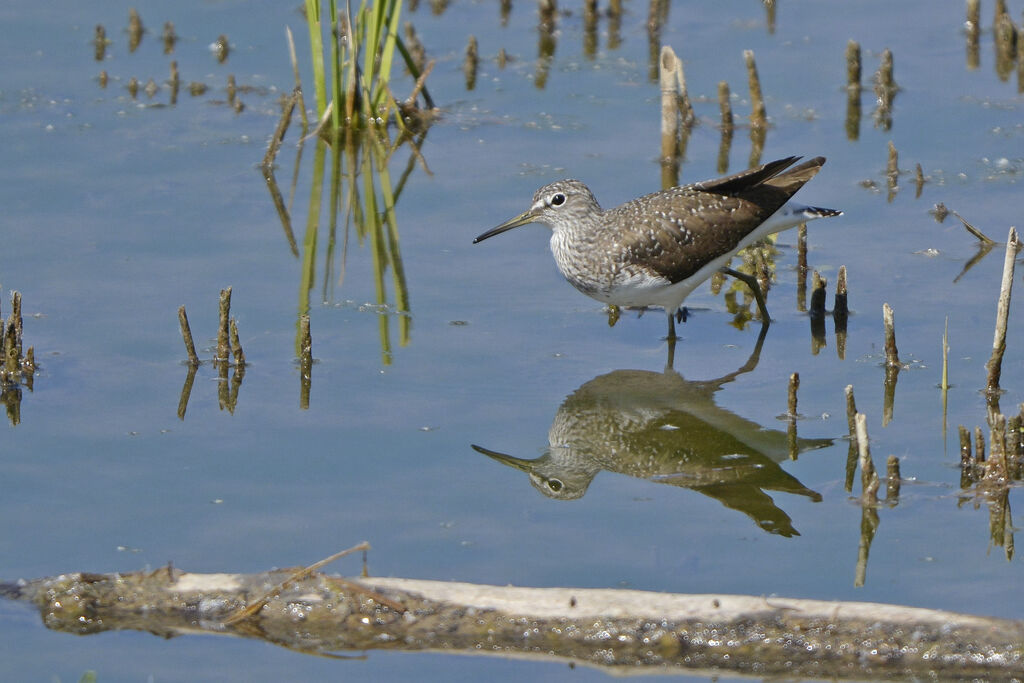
995,362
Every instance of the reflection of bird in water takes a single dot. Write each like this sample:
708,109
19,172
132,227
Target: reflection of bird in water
659,426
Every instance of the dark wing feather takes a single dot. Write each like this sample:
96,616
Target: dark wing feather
676,231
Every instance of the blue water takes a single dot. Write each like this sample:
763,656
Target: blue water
117,212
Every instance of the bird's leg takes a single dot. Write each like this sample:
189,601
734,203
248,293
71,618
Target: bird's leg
671,330
755,288
671,353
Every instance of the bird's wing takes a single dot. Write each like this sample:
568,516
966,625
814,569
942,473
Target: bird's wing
677,231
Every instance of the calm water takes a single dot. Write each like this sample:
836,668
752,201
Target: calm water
117,211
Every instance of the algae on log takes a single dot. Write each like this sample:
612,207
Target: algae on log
624,631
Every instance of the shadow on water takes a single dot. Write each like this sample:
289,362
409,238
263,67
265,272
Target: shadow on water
361,199
668,430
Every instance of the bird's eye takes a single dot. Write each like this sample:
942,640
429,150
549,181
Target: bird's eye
557,199
554,484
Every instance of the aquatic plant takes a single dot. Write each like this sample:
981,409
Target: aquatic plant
356,65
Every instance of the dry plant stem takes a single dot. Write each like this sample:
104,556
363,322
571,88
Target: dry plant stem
100,43
973,28
794,385
818,284
892,480
669,111
868,476
840,308
982,237
169,37
298,80
11,359
135,29
282,127
885,72
307,338
995,466
19,323
851,412
892,355
979,446
995,363
892,168
472,61
236,344
966,457
307,571
305,362
758,114
223,346
419,86
853,65
186,334
725,106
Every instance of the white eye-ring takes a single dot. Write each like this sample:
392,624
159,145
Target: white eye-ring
557,199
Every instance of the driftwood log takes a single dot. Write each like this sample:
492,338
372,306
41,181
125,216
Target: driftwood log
624,631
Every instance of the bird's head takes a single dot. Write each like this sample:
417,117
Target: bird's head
560,205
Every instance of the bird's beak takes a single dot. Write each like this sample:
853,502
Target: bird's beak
521,219
515,463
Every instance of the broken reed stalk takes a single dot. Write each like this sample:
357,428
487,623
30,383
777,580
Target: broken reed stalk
10,347
852,454
758,114
236,344
135,29
892,480
223,345
853,66
995,362
973,28
675,102
725,106
16,319
818,284
892,355
282,127
868,476
966,456
892,167
471,63
169,37
840,309
996,465
801,267
794,385
100,43
305,361
174,82
547,9
298,80
851,411
885,83
186,334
